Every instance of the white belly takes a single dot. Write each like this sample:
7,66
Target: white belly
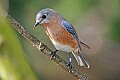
62,47
59,46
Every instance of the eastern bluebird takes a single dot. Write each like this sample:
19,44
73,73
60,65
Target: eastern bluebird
62,34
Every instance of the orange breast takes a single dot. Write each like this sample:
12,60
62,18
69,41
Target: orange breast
58,33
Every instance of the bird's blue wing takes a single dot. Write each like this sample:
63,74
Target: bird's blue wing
70,29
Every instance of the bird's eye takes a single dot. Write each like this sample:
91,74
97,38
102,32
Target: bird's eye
44,16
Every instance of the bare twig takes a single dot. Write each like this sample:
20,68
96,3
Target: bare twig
43,48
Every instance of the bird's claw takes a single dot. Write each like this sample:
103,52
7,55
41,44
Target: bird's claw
53,54
69,65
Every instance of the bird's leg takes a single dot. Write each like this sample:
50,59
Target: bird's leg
70,63
53,54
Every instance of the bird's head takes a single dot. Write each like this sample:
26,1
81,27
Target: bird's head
44,16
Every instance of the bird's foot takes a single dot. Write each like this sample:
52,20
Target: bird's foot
53,54
69,65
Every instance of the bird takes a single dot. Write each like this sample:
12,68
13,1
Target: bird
62,35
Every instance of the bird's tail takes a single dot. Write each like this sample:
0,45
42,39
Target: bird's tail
81,60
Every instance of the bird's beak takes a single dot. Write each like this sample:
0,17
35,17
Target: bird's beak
36,24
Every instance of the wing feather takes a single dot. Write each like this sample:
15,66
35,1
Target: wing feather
70,29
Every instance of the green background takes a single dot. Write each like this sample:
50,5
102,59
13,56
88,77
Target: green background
97,23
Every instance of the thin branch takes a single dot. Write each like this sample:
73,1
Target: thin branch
43,48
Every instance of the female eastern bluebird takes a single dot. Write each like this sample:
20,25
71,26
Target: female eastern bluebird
62,34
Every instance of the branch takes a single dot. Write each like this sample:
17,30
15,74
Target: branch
43,48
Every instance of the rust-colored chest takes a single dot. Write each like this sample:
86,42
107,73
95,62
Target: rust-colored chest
58,33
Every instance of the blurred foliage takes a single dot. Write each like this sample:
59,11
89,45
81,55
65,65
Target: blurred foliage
114,21
13,65
115,29
97,22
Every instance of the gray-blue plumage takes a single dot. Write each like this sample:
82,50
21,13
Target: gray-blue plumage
70,29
